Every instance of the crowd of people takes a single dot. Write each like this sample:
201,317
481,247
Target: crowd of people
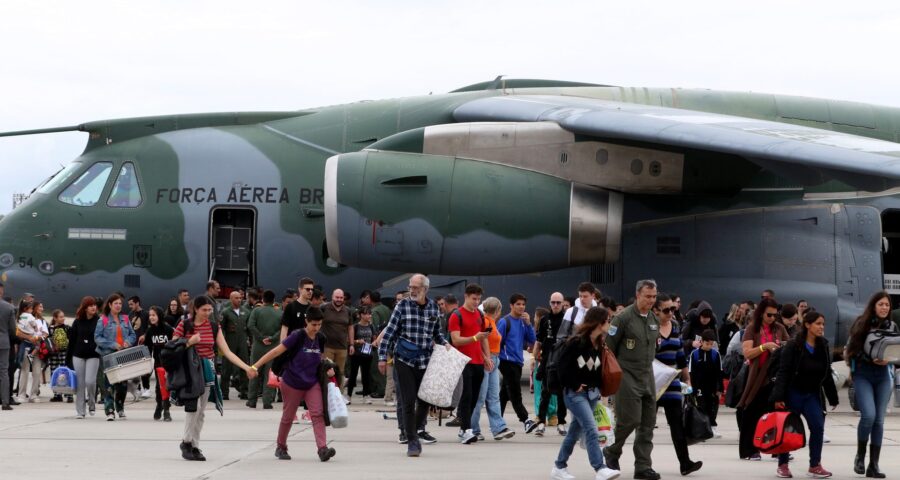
776,353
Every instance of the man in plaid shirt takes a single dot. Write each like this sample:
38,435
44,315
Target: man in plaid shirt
410,335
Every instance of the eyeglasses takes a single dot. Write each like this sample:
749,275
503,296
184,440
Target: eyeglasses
416,287
555,303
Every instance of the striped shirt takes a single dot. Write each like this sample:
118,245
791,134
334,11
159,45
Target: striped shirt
205,347
669,350
419,324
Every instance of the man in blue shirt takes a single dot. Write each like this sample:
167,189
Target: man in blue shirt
411,333
518,335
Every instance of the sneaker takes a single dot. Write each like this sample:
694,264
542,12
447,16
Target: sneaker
402,440
34,400
648,474
326,453
281,453
690,468
479,436
561,474
121,414
784,471
110,417
413,449
716,433
453,423
296,420
426,437
467,437
146,394
79,417
92,412
167,417
56,398
539,429
186,451
818,472
529,425
825,439
305,418
606,473
198,455
503,434
561,429
389,403
367,399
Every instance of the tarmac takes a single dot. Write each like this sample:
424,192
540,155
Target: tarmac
45,440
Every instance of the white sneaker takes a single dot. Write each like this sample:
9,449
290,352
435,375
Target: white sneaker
561,474
607,474
561,429
716,433
468,437
367,400
34,400
388,403
825,439
146,394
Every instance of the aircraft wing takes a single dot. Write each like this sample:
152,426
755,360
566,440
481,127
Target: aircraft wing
807,155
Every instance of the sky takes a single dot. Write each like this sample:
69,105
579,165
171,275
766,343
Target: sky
66,63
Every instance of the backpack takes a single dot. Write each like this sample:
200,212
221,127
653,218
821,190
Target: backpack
285,358
60,339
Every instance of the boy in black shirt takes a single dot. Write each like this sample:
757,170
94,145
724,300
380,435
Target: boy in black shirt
706,377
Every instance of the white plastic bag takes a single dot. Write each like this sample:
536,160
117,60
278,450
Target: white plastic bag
337,409
441,376
663,374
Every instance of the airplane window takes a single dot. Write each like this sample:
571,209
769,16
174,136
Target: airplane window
125,193
58,178
86,191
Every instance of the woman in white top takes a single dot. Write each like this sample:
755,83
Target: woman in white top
29,363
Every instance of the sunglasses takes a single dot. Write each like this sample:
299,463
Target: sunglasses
771,315
555,303
668,310
307,289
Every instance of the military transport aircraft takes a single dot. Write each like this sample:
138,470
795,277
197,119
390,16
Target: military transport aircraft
521,185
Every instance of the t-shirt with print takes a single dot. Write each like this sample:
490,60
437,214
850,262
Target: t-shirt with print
294,316
365,333
467,328
205,347
301,372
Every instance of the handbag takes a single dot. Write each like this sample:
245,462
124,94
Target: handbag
610,373
274,381
736,386
697,426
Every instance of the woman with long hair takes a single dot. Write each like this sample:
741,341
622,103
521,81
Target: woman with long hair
113,333
579,375
762,339
173,313
872,382
198,330
158,334
82,356
804,370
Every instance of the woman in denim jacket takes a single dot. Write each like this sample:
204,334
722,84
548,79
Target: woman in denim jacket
113,333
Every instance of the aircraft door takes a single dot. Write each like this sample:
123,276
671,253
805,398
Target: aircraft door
232,252
890,221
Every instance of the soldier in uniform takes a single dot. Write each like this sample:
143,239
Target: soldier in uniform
234,326
632,338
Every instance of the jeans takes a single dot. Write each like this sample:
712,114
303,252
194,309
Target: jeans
489,395
86,376
511,389
292,398
415,411
114,395
581,404
472,379
810,406
873,391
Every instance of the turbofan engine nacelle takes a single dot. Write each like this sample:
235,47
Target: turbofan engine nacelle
447,215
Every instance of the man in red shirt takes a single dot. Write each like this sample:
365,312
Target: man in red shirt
467,331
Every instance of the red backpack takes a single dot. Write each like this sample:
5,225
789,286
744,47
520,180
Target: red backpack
779,432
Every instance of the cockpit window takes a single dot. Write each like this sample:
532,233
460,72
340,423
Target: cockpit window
58,178
125,193
86,191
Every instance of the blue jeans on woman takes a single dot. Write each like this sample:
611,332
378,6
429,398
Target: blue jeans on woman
490,395
581,406
810,406
873,391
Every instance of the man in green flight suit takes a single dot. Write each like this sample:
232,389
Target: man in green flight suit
380,316
265,328
632,338
234,327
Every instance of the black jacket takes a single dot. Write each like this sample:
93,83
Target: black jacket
184,373
793,374
81,339
691,328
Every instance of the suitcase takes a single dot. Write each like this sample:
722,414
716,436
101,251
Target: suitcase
63,381
883,345
779,432
127,364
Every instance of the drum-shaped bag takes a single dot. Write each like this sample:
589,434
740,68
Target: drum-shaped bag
779,432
